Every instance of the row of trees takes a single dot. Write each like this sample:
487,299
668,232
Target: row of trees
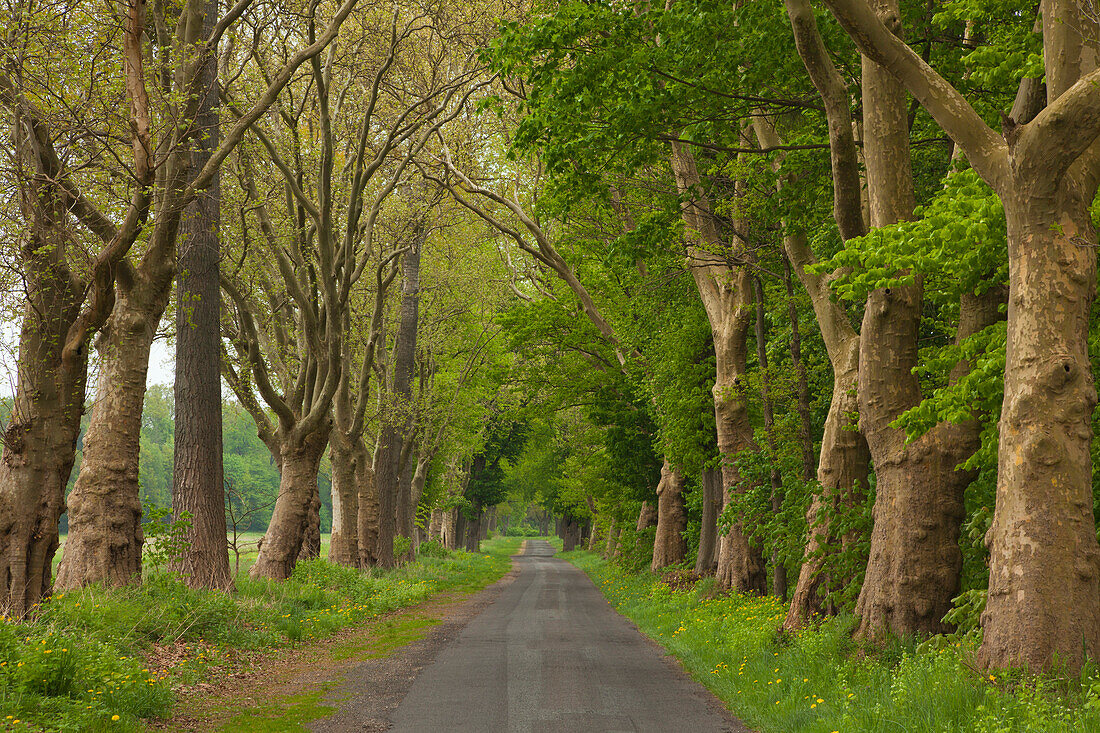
767,268
925,174
259,160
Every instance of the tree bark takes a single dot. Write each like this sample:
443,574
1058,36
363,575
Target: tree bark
1044,605
61,314
611,550
669,547
311,537
1043,608
647,517
706,561
105,536
1044,579
914,564
457,539
843,461
299,459
39,443
413,478
435,526
349,464
913,570
802,386
727,296
197,476
396,426
473,531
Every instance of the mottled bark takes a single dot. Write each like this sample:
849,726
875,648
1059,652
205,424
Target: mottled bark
39,443
669,547
1044,581
914,563
647,517
197,475
727,297
1043,608
300,457
311,537
105,536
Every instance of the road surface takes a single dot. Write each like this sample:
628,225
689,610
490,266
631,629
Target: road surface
550,655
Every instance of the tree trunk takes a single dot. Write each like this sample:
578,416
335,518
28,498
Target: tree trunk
570,534
367,520
612,549
913,568
458,537
39,443
197,477
396,426
1044,569
802,387
435,526
669,547
311,537
473,531
727,297
347,458
300,457
647,517
105,536
412,486
706,561
842,468
842,473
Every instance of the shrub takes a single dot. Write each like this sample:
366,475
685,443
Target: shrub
433,549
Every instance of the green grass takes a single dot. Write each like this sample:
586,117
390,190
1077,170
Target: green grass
282,713
820,681
82,660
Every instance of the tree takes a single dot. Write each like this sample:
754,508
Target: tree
197,476
1044,595
109,550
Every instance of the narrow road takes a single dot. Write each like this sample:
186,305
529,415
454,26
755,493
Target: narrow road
549,654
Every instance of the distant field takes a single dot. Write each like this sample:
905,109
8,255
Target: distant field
246,542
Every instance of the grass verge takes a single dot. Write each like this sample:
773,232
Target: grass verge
820,681
104,659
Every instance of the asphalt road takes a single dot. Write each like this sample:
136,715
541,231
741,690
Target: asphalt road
550,655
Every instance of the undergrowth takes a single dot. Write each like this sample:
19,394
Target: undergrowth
820,681
103,659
